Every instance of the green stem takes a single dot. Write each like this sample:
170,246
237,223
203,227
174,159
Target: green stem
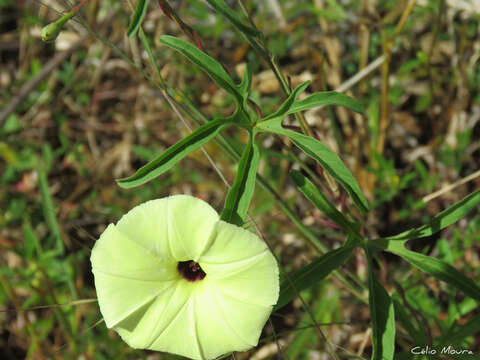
262,50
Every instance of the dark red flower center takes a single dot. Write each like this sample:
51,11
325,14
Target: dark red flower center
190,270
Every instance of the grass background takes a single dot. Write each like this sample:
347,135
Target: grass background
92,117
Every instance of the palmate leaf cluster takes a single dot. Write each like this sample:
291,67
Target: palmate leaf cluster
382,306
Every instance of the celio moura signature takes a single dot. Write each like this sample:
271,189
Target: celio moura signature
446,350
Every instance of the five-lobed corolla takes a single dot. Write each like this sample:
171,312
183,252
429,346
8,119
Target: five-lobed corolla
171,276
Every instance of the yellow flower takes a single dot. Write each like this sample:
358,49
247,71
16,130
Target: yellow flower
170,276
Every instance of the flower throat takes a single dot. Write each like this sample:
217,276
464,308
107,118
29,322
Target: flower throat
191,271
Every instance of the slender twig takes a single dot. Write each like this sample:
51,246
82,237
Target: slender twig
39,307
405,16
384,103
275,338
349,83
79,6
450,187
261,49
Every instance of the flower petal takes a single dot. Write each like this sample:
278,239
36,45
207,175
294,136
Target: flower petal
147,329
117,255
119,298
230,244
256,282
246,320
179,336
241,265
147,225
190,224
145,299
123,286
216,335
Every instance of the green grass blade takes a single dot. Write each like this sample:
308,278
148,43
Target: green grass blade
205,62
441,220
138,16
174,154
326,98
49,210
239,197
382,315
221,7
459,333
438,269
313,194
323,155
32,243
311,274
405,319
284,109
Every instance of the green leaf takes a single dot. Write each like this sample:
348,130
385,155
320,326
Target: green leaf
138,16
326,98
313,194
311,274
441,220
241,193
283,110
221,7
174,154
205,62
291,105
246,83
382,314
438,269
326,157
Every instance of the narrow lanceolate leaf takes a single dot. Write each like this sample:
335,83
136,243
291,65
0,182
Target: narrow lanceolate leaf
138,16
174,154
326,98
241,193
326,157
292,105
441,220
246,83
284,109
438,269
312,274
240,23
382,315
313,194
208,64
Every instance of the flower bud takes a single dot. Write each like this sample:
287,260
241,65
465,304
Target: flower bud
50,32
